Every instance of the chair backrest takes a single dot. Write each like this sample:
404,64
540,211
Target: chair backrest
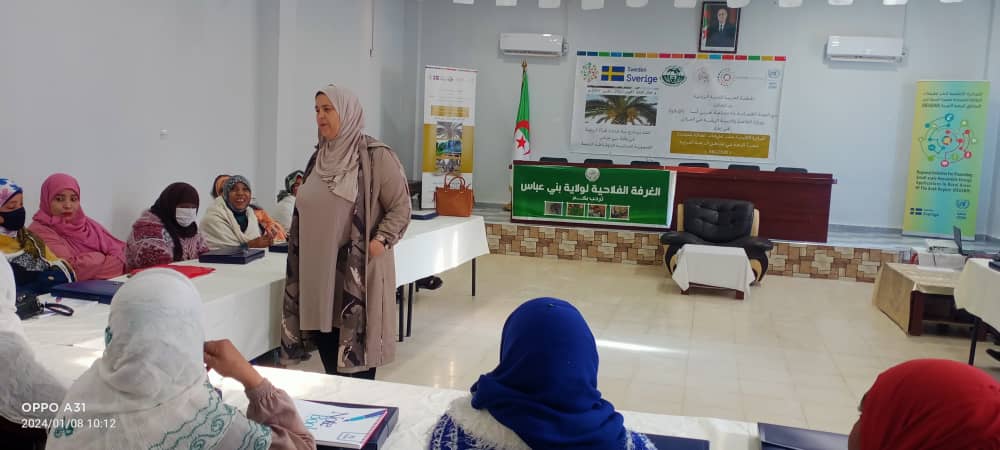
719,220
646,163
705,165
743,167
597,161
791,170
552,159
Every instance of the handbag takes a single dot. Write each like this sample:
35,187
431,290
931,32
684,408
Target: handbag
28,305
454,202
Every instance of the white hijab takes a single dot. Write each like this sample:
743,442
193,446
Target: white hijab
151,382
24,379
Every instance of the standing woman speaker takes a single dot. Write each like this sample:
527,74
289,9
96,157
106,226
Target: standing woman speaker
352,208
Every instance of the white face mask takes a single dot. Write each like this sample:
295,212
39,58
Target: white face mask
186,216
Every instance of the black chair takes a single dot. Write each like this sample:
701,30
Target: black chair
598,161
705,165
791,170
721,222
551,159
744,167
646,163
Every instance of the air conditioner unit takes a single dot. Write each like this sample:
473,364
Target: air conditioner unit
532,44
865,49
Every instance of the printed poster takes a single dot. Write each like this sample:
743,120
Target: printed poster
946,154
589,195
691,106
449,127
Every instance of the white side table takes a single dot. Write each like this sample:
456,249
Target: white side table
712,266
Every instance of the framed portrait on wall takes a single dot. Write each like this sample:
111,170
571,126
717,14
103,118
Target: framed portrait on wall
720,28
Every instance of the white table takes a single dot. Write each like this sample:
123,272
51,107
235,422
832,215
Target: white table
945,260
419,406
978,292
243,303
430,247
714,266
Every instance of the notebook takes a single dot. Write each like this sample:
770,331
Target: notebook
279,248
778,437
232,256
423,214
97,290
677,443
337,426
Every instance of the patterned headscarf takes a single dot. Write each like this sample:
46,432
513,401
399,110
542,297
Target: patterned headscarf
289,182
151,379
228,187
7,191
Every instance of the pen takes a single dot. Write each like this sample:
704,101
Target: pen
366,416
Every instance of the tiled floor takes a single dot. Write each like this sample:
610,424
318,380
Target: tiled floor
799,352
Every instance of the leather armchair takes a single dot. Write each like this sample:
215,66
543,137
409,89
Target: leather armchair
712,221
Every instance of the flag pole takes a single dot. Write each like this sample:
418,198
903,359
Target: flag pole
510,187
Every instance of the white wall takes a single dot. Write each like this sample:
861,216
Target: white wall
330,41
87,86
847,119
992,142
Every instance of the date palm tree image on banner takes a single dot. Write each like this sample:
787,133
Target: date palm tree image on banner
620,110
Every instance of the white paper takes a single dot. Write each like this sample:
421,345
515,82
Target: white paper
333,425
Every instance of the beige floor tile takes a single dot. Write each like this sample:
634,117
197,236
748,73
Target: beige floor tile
813,343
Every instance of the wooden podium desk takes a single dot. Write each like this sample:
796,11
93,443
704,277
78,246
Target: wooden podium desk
793,206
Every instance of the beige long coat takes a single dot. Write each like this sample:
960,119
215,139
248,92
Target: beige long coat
388,215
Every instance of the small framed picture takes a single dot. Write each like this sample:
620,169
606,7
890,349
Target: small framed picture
720,28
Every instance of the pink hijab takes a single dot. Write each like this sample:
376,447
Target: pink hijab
81,232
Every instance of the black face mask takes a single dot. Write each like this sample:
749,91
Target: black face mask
13,220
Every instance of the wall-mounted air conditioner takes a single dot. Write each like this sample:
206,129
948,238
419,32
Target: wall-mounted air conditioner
532,44
865,49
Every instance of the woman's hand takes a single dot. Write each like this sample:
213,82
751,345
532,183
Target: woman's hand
264,241
223,357
376,248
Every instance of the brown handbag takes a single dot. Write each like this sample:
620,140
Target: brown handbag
454,202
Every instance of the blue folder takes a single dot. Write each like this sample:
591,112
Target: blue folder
279,248
231,256
778,437
677,443
97,290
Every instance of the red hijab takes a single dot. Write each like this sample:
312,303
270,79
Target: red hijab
81,232
929,404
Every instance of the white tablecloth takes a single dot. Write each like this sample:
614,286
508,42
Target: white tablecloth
723,267
978,291
419,406
945,260
243,302
433,246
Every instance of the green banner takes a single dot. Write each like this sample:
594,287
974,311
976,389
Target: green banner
946,157
606,196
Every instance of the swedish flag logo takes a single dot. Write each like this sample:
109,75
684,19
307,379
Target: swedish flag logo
612,73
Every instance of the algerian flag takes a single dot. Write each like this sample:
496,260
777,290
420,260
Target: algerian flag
522,140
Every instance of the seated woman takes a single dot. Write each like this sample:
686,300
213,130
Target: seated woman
86,245
267,224
928,404
36,268
25,380
150,388
542,395
286,199
227,222
167,232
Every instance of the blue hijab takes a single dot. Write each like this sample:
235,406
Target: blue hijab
545,387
